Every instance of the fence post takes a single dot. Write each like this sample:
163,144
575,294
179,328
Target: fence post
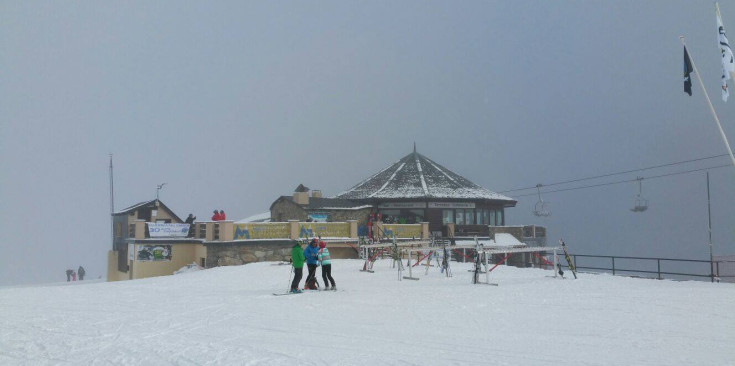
711,270
613,265
659,268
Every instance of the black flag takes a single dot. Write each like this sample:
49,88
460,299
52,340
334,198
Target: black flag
687,73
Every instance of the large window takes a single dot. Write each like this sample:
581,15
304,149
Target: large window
469,217
459,217
447,216
481,215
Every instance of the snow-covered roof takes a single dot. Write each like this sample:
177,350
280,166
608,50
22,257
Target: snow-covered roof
261,217
416,176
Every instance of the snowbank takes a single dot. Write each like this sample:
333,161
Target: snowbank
228,316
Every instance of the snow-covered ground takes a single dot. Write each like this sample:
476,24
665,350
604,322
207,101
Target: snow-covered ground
228,316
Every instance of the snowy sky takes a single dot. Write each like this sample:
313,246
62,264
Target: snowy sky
233,104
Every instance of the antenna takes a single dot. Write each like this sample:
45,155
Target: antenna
158,188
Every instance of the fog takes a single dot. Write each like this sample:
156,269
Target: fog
233,104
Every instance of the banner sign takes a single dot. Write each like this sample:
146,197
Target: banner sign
402,205
158,230
154,253
319,216
324,229
402,230
451,205
262,230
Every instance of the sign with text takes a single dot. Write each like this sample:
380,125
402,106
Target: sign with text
159,230
261,230
402,230
324,229
402,205
451,205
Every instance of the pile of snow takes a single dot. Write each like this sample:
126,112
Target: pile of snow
261,217
229,316
501,240
191,267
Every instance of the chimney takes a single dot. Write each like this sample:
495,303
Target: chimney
301,198
316,193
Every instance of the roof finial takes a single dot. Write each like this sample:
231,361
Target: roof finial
414,147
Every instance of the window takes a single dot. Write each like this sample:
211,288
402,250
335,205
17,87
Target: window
460,217
202,231
481,214
469,217
491,217
447,216
500,217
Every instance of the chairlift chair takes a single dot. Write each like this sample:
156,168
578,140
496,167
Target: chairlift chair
641,204
541,208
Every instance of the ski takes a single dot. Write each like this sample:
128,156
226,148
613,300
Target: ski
287,293
569,260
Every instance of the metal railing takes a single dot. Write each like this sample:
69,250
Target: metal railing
714,266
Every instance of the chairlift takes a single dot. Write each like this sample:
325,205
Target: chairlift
541,208
641,204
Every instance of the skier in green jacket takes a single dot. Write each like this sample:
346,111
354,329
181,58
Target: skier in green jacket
297,259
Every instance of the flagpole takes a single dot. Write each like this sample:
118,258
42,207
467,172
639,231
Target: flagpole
711,108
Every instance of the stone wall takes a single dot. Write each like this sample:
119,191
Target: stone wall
284,210
238,253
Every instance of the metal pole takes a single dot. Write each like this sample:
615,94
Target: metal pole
554,269
711,108
613,265
709,220
112,207
658,261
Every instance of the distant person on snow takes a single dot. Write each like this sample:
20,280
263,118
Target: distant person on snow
311,253
326,263
81,272
222,215
73,276
68,275
297,259
216,216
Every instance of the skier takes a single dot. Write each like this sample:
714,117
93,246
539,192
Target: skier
81,272
68,275
73,276
326,264
311,253
297,259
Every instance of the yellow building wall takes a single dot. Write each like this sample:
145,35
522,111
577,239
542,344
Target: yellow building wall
181,255
112,273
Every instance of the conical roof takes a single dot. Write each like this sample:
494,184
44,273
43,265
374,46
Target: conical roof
415,176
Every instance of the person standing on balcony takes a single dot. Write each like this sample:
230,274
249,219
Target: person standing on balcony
190,220
217,216
222,215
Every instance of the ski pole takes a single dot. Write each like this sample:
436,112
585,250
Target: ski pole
289,278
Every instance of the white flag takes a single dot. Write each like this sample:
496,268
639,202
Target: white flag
728,61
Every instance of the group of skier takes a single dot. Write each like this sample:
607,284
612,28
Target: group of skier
72,276
315,254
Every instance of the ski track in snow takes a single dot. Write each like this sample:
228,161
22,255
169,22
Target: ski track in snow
228,316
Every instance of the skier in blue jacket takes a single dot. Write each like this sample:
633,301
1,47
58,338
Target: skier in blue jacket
311,253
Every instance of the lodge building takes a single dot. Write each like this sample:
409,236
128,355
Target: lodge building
412,190
413,198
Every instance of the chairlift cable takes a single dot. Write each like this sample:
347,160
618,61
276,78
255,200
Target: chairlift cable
627,180
618,173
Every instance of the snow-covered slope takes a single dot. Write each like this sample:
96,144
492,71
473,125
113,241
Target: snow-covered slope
228,316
